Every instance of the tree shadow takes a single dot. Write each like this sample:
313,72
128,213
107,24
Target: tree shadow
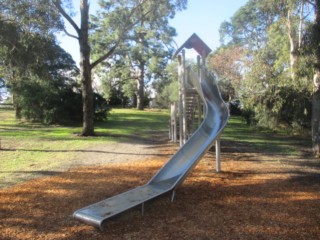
81,151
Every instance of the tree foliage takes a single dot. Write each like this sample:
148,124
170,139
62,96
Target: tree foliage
167,87
39,74
266,77
144,50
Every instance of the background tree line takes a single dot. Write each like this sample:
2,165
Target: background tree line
269,63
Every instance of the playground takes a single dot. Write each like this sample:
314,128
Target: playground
267,186
268,189
224,146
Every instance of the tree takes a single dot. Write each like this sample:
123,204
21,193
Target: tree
267,33
21,23
145,49
227,63
315,40
39,74
119,17
281,45
167,87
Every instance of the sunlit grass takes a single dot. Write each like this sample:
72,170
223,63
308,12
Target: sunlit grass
276,142
27,146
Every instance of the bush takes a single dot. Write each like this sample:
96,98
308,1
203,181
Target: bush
235,107
49,104
101,108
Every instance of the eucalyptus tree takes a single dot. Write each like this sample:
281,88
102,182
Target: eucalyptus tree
248,30
303,26
148,56
281,72
315,53
145,48
116,19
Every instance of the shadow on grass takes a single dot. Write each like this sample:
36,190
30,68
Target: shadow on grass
85,151
242,136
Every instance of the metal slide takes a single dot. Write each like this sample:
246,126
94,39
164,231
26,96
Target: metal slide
173,173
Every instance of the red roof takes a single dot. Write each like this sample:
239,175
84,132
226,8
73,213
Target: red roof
197,44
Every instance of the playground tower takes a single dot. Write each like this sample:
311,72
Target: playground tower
187,112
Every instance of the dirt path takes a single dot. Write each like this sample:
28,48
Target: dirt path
257,196
135,149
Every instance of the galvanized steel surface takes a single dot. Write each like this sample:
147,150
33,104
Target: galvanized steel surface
173,173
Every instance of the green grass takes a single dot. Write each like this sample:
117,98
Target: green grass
275,142
133,122
27,146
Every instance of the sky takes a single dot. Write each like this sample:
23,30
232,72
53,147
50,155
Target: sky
202,17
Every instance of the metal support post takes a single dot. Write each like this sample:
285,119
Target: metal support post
180,72
218,162
183,85
142,209
173,195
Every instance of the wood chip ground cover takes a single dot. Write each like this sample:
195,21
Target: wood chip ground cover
257,196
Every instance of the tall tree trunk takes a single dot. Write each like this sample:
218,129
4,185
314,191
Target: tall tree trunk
140,93
301,18
316,79
316,123
85,72
16,106
293,50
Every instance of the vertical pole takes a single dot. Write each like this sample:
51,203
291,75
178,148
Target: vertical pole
202,72
173,195
142,209
203,58
171,123
180,72
184,114
203,69
218,162
199,98
174,139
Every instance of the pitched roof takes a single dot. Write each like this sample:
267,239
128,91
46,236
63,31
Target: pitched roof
197,44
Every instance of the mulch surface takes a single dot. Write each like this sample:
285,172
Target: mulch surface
257,196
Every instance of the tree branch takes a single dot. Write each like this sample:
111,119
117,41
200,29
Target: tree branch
104,57
57,3
126,29
69,34
310,2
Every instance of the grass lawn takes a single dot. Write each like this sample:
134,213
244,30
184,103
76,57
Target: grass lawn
31,147
280,142
27,147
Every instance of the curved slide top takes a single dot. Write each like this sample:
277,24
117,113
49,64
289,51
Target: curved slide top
173,173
